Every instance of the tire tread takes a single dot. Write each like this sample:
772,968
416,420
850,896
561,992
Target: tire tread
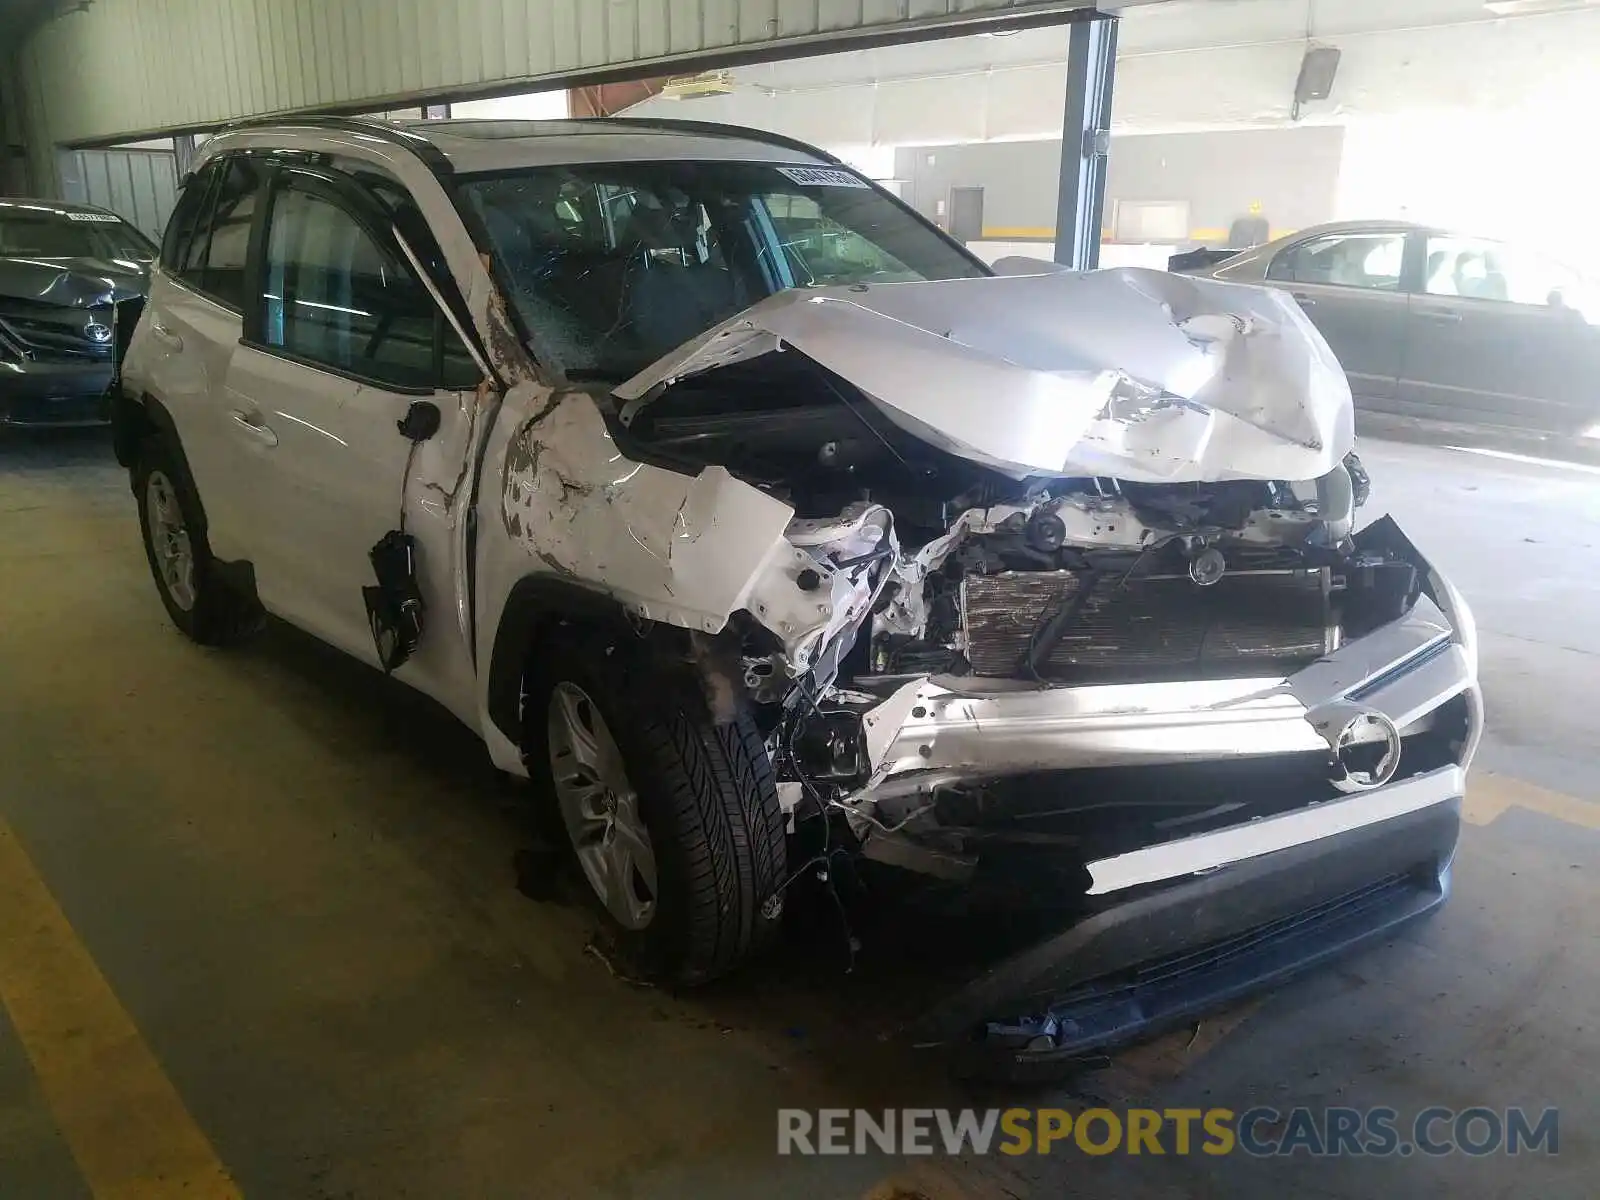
717,794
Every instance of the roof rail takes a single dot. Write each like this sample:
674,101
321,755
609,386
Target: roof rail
713,129
389,131
416,142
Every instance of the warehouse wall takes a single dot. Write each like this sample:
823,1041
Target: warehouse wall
1293,174
139,185
117,69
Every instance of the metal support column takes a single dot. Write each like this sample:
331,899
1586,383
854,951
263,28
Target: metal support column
1085,142
183,151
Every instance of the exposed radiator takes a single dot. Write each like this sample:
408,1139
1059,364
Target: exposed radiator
1158,626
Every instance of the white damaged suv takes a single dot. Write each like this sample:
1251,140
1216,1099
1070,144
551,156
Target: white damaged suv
757,523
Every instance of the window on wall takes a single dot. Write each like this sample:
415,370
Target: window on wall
334,297
1152,221
1360,260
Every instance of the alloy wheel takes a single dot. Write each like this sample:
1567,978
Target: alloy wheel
601,808
169,539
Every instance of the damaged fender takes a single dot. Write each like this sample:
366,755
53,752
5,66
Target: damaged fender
685,550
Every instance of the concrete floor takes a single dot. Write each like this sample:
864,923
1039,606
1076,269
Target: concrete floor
280,939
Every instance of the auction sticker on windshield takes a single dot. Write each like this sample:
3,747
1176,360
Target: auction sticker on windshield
822,177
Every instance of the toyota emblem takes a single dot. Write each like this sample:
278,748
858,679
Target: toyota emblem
1366,752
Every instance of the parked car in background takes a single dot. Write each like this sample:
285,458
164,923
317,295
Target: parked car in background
769,533
64,270
1438,325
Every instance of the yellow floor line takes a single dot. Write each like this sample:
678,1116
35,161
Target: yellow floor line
127,1128
1489,795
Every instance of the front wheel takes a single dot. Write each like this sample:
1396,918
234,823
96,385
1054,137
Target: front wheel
673,816
186,575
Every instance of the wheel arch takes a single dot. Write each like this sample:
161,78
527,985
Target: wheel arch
132,421
535,604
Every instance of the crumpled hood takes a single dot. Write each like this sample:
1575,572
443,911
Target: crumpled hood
72,282
1132,373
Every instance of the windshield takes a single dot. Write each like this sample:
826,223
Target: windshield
38,233
613,265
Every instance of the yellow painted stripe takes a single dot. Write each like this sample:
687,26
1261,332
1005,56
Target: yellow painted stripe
1003,233
127,1128
1490,795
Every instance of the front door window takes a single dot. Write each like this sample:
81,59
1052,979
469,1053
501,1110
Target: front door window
1373,261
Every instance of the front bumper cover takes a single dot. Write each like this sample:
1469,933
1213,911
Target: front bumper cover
55,394
1162,957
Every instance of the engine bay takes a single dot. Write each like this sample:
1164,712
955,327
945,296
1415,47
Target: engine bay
1042,579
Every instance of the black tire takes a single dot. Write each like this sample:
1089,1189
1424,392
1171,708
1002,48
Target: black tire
214,615
706,794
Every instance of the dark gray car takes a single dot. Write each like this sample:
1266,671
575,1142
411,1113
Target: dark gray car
1442,326
64,271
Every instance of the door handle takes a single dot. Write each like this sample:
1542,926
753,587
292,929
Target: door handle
251,424
1443,316
1304,300
163,334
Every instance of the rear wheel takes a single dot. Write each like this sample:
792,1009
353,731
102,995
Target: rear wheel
673,816
195,597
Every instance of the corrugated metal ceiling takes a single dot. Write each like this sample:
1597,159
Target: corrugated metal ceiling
123,68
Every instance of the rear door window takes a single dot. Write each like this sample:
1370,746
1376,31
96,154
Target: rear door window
1483,270
186,218
228,242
